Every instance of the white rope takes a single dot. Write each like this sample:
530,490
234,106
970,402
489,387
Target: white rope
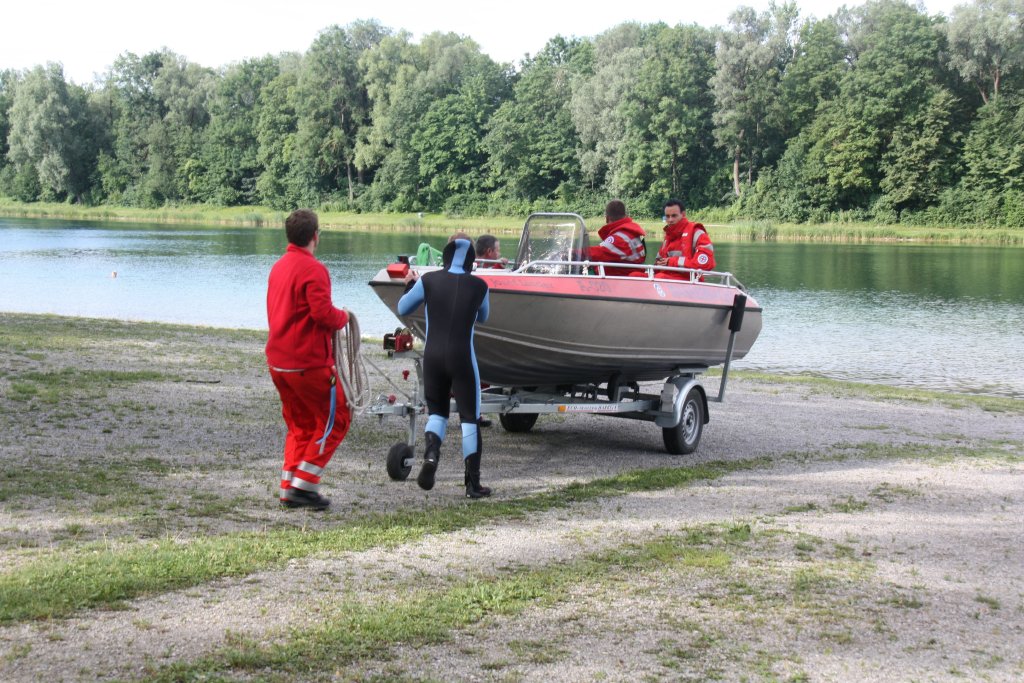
347,358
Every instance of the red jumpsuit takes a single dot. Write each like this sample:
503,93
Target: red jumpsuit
686,245
622,241
300,354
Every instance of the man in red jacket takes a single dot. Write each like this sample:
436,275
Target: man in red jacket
622,240
300,353
686,244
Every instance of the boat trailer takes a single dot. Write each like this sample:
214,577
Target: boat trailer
680,409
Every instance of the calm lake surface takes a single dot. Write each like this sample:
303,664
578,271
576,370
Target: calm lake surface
939,317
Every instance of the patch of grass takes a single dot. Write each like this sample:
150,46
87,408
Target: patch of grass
903,601
537,651
70,481
804,546
991,603
680,655
994,452
59,586
803,507
17,652
834,387
738,533
850,504
353,631
811,580
890,492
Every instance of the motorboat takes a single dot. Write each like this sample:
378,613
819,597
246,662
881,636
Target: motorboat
558,319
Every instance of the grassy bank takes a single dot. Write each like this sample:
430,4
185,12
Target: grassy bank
739,231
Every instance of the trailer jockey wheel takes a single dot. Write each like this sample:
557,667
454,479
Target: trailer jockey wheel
399,461
684,437
518,422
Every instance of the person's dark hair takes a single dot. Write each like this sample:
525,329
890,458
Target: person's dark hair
615,210
300,226
484,243
675,202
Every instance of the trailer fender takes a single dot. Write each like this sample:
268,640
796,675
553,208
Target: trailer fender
673,396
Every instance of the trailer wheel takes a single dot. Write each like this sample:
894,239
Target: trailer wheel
684,437
518,422
399,461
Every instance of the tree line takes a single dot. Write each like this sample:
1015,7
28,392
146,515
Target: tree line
878,113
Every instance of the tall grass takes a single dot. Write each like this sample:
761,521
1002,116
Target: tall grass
737,231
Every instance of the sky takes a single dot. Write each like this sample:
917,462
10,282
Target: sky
86,36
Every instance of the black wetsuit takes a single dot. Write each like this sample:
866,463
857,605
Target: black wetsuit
455,300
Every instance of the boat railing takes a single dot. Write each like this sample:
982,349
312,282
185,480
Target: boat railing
611,270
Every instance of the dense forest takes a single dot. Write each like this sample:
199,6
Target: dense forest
880,113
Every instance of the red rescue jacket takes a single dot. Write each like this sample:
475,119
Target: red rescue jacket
622,241
686,245
300,313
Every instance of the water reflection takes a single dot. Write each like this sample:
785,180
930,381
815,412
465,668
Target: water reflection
943,317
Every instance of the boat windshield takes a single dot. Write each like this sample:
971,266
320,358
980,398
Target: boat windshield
550,241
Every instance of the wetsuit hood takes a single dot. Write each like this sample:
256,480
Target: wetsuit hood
458,256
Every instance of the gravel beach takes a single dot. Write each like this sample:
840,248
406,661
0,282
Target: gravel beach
831,532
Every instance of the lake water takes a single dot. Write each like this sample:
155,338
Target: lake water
940,317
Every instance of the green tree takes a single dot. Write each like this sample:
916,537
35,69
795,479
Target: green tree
334,108
50,137
531,141
159,111
920,160
892,87
8,81
447,141
986,42
416,91
751,59
230,148
276,128
994,150
814,75
669,146
599,102
176,168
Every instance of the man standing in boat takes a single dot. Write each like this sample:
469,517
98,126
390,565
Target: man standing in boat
455,300
302,320
622,240
686,244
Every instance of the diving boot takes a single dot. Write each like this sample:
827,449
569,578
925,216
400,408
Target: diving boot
430,457
473,487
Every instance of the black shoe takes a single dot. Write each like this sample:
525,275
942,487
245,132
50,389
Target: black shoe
473,488
484,422
298,498
431,456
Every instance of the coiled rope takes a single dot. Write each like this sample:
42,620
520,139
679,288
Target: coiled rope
355,381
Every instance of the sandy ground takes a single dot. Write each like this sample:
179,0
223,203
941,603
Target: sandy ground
861,559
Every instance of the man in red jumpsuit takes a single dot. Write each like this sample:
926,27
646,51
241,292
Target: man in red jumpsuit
300,354
622,240
686,244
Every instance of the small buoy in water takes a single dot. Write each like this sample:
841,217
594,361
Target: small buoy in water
113,274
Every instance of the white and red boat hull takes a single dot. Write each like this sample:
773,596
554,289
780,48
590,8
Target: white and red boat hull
557,329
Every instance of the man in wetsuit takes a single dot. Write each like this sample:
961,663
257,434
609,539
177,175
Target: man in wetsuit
455,300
